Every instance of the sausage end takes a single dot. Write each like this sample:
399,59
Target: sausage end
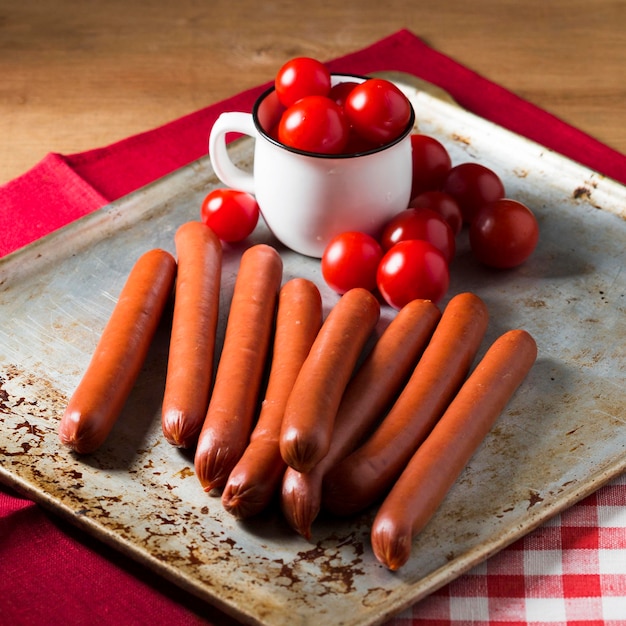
213,467
300,500
179,429
302,452
79,434
391,541
243,501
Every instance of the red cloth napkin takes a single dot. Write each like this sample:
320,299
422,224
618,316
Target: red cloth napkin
570,571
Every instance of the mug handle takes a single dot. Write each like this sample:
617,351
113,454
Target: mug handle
231,175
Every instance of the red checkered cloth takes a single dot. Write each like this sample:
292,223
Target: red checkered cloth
571,571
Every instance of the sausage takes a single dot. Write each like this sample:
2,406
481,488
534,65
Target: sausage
365,475
95,405
232,406
368,395
254,480
313,402
437,463
194,326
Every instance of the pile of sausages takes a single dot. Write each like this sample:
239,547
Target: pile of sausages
296,407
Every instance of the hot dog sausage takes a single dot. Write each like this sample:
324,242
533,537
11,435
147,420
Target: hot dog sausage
367,396
366,474
313,402
232,407
437,463
254,480
120,353
192,344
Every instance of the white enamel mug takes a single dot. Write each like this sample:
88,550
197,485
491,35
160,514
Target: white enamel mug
305,198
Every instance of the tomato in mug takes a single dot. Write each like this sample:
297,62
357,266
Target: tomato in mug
314,124
231,214
424,224
431,163
504,234
410,270
378,110
300,77
442,203
472,185
339,92
351,260
357,144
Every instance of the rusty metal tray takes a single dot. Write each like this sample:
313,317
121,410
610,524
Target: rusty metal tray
561,437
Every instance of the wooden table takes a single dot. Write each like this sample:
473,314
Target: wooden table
76,75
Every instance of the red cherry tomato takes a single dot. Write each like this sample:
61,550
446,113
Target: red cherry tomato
351,260
424,224
504,233
472,185
314,124
301,77
442,203
231,214
431,163
340,91
378,110
357,144
410,270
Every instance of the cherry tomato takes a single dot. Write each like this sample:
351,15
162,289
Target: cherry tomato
504,233
378,110
431,163
472,185
410,270
424,224
314,124
340,91
301,77
357,144
351,260
231,214
442,203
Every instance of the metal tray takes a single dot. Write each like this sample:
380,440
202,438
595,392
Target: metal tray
562,436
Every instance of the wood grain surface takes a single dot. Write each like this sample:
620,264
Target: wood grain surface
79,74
